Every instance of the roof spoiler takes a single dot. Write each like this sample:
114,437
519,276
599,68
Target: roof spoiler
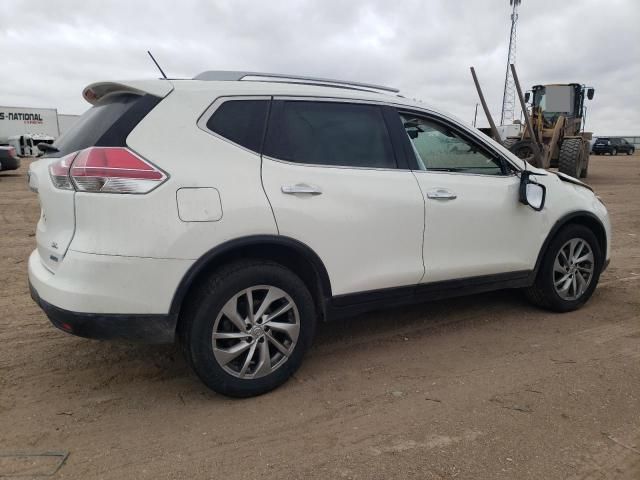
94,92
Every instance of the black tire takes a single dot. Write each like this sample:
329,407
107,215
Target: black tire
614,152
203,306
569,161
585,162
523,149
585,170
509,142
631,151
543,293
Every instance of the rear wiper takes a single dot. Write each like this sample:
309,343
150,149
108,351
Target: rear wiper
47,147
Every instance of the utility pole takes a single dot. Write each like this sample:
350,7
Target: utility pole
509,94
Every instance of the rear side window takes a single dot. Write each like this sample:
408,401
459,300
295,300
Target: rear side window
241,121
329,133
107,123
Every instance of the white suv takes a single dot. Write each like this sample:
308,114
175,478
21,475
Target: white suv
234,210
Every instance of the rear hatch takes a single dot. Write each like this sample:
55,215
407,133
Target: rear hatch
602,142
117,109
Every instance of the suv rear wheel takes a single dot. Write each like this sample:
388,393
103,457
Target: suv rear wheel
569,271
246,329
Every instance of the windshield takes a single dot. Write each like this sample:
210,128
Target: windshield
555,99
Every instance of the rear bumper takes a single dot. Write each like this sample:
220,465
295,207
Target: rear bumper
601,149
109,297
101,326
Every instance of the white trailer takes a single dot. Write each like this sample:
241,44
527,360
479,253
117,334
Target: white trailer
65,121
21,127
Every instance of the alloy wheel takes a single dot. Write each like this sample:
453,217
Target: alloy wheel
573,269
256,332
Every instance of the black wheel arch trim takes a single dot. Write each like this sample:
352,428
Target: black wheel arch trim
205,261
566,220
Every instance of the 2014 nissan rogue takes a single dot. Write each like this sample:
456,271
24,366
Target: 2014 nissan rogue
235,210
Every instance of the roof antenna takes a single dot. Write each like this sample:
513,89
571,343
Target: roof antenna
157,65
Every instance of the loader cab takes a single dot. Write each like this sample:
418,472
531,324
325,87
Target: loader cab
551,101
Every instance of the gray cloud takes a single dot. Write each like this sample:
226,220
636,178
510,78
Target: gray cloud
51,50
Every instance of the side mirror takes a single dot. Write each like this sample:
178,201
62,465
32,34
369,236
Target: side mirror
532,193
527,96
590,92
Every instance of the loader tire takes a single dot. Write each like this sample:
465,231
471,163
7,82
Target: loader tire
509,142
523,149
570,160
584,171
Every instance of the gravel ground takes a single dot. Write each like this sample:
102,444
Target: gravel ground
483,387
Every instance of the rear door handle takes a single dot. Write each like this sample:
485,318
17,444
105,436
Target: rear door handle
301,188
441,194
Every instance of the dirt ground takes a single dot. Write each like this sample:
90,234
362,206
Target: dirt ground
484,387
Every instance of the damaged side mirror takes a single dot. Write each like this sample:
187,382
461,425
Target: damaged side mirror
531,192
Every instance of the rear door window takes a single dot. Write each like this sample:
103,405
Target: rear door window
329,133
241,121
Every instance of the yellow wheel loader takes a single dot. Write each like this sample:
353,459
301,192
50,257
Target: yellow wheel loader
553,134
557,113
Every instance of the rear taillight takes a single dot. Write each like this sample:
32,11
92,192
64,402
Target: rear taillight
106,170
59,172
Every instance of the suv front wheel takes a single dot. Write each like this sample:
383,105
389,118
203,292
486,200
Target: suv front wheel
569,271
246,329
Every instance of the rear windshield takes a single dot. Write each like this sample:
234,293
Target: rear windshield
602,140
100,125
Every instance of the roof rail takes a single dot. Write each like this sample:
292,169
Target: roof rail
231,75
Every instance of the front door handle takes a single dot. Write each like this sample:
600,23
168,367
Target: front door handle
441,194
301,188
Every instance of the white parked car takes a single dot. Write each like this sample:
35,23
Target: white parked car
233,211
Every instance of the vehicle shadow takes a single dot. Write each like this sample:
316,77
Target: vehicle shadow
128,366
450,314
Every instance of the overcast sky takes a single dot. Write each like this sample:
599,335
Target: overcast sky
52,49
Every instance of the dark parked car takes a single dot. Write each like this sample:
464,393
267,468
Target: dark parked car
8,158
612,146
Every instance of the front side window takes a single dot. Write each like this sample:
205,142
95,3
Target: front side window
329,133
439,148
